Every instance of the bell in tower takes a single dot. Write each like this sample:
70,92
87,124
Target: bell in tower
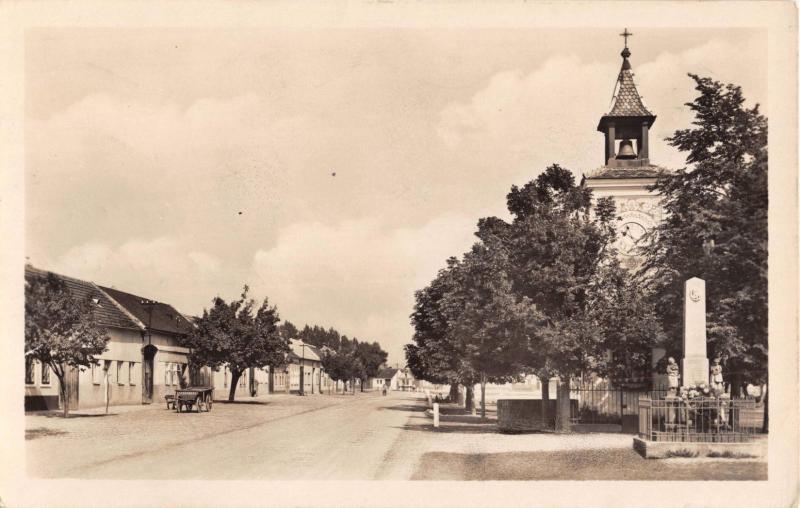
627,120
626,150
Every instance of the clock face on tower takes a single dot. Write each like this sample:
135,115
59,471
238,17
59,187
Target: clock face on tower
629,234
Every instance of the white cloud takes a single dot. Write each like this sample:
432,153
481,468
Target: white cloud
358,276
529,120
161,268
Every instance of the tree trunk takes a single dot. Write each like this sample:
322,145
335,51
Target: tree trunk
483,396
736,386
765,397
563,406
107,388
235,375
546,400
62,389
453,395
469,399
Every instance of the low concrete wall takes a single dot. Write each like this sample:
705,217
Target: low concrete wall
666,449
525,415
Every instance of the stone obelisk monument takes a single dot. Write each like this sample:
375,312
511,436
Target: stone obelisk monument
695,358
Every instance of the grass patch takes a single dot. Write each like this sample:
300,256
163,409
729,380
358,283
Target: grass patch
727,454
688,454
588,464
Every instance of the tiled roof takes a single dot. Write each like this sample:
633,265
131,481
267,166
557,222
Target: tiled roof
386,373
164,318
627,101
106,311
649,171
307,352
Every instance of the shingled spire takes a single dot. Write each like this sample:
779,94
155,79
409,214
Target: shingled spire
627,101
628,119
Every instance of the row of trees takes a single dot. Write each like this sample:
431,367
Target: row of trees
545,293
344,359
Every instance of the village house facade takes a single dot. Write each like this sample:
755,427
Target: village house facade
142,361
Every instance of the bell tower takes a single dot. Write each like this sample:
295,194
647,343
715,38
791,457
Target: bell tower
628,121
627,171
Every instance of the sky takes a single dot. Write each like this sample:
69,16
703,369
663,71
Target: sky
182,164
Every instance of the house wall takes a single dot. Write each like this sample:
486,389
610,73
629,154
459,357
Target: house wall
123,361
222,383
40,393
311,375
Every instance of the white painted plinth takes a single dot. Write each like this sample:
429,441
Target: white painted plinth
695,370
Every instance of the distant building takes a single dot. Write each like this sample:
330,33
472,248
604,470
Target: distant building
393,379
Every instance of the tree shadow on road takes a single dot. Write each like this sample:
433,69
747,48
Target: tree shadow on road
404,407
453,429
75,415
243,402
42,432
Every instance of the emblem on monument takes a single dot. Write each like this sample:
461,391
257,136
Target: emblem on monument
694,295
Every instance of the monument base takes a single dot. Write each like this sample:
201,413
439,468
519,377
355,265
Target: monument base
695,370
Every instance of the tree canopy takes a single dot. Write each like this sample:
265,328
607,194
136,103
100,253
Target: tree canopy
716,229
61,330
238,335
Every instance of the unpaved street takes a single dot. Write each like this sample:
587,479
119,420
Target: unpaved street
276,437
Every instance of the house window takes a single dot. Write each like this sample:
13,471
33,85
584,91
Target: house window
45,374
96,373
225,378
120,372
131,373
167,374
176,374
28,371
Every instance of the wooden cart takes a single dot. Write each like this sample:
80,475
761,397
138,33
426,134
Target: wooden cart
194,396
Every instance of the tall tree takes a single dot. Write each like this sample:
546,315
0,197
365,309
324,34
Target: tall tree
436,355
61,330
492,325
716,229
561,258
239,336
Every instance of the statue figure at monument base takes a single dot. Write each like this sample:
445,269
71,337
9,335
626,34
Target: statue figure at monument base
716,381
673,377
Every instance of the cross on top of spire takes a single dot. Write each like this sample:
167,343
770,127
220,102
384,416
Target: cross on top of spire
626,34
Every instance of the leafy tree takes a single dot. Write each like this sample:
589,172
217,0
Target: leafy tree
239,336
371,357
492,325
342,366
288,330
61,330
716,229
436,355
562,261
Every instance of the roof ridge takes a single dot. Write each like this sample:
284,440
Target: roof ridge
121,307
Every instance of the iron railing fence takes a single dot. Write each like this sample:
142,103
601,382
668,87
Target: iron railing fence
675,419
598,401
